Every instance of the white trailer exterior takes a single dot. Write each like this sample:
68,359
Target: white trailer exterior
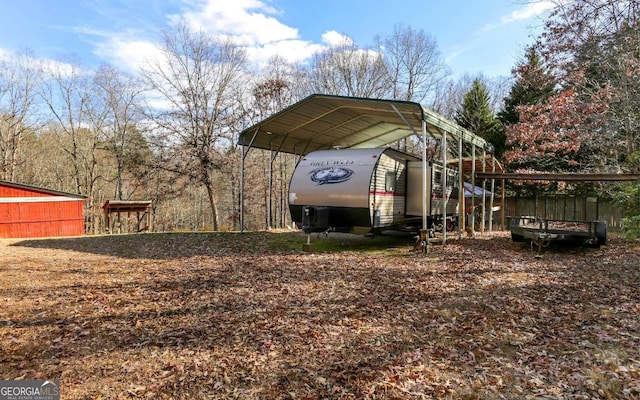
364,191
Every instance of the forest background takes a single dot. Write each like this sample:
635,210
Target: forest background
169,133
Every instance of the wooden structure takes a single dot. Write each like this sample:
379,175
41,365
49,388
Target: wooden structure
140,208
28,212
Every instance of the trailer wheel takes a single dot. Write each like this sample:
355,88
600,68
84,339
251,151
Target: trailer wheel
601,233
517,238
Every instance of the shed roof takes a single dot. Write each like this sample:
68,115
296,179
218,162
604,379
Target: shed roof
38,189
126,205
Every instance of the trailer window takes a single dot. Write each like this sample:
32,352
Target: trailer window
390,181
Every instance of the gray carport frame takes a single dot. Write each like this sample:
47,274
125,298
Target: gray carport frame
323,122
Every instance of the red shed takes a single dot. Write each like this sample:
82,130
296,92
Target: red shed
29,211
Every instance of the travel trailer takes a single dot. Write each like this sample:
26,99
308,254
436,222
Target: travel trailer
367,191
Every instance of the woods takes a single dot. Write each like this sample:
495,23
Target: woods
168,132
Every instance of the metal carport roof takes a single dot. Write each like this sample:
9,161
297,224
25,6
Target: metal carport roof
321,122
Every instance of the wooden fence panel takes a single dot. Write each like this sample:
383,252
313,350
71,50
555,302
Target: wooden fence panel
578,208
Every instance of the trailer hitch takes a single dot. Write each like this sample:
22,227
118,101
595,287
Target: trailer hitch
326,233
541,241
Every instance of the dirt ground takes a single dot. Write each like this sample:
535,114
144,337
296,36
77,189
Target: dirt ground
251,316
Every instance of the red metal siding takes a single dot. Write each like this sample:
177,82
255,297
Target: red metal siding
36,214
45,219
7,191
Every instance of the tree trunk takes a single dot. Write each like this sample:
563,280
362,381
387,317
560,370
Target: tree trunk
213,205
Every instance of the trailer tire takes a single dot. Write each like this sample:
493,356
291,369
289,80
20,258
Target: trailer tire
517,238
601,233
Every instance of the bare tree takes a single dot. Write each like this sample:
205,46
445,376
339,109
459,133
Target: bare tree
415,65
273,92
275,89
348,70
46,164
196,82
120,97
67,94
19,81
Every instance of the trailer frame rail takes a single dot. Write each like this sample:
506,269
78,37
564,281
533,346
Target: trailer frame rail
543,231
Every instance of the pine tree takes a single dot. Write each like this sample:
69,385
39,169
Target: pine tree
476,115
533,85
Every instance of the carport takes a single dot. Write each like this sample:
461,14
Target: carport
323,122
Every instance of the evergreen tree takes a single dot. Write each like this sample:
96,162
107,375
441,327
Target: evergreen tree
476,115
533,85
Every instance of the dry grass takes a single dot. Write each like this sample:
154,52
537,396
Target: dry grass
251,316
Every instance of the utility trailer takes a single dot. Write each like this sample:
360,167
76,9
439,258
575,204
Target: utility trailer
367,191
542,232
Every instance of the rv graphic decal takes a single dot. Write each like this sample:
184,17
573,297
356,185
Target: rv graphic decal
325,175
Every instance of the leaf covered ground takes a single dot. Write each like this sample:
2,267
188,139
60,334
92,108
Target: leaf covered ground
251,316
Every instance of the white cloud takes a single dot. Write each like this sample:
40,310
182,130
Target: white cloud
250,22
253,24
128,54
333,38
29,61
530,10
291,50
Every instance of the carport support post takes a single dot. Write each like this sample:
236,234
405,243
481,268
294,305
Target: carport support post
242,189
243,156
472,214
493,191
425,248
269,198
273,155
484,193
444,187
424,175
461,219
503,207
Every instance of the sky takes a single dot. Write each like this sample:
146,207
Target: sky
473,36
